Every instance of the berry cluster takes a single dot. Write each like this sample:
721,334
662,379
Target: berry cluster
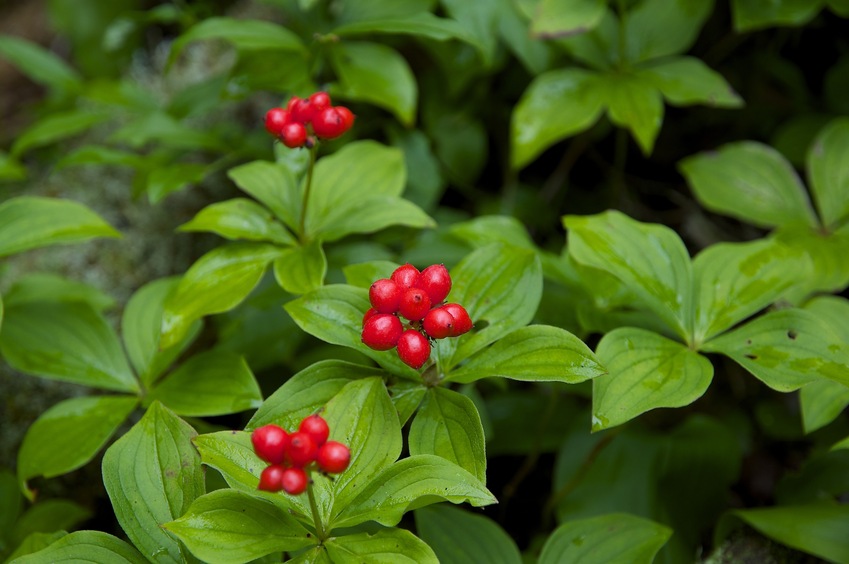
291,125
417,297
290,455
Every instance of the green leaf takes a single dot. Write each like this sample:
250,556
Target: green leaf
164,180
421,24
363,274
786,349
86,546
39,64
556,105
65,341
274,186
406,396
646,371
534,353
821,402
598,48
449,426
210,383
166,131
834,311
658,28
373,214
829,172
230,526
408,484
632,102
749,181
34,543
10,168
49,516
11,505
244,35
818,529
615,538
69,434
301,269
378,74
736,280
98,155
217,282
554,18
757,14
240,218
649,259
55,127
141,326
29,222
48,287
458,536
685,81
334,314
826,251
152,475
499,285
388,545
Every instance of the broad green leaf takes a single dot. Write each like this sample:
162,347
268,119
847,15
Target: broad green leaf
786,349
834,311
646,371
230,526
168,132
513,28
555,18
244,35
334,314
152,475
749,15
658,28
826,251
375,73
749,181
48,287
632,102
598,48
649,259
449,426
479,20
818,529
685,81
86,546
48,516
141,327
217,282
736,280
39,64
839,7
425,179
69,434
166,179
534,353
556,105
389,546
316,555
55,127
406,396
29,222
65,341
307,391
363,274
617,538
408,484
821,402
421,24
209,383
373,214
488,229
95,154
828,171
10,168
35,542
11,505
240,218
500,287
458,536
302,268
274,186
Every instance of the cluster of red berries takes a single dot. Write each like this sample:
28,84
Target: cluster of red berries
416,296
290,455
316,112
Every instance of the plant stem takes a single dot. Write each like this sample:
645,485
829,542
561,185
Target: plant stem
316,518
306,196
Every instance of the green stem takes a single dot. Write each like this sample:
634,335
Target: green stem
306,196
316,518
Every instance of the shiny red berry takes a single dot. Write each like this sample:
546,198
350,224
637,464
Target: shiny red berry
271,479
294,481
462,321
332,122
436,281
319,101
302,111
413,348
382,331
347,117
275,120
405,276
270,443
316,427
370,312
414,304
293,135
293,101
302,449
438,323
333,457
385,295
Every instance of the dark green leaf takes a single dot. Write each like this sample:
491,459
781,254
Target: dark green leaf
37,63
373,214
47,287
421,24
274,186
554,18
86,546
388,545
458,536
685,81
658,28
479,20
828,169
166,179
363,274
55,127
826,251
821,402
240,218
49,516
757,14
152,475
302,268
10,168
34,543
98,155
632,102
406,397
11,504
168,132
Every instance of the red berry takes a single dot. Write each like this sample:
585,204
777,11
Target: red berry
413,348
293,135
333,457
438,323
302,449
385,295
415,303
436,281
382,331
271,479
293,101
332,122
316,427
462,321
302,111
270,443
294,481
370,312
319,101
405,276
347,117
275,119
